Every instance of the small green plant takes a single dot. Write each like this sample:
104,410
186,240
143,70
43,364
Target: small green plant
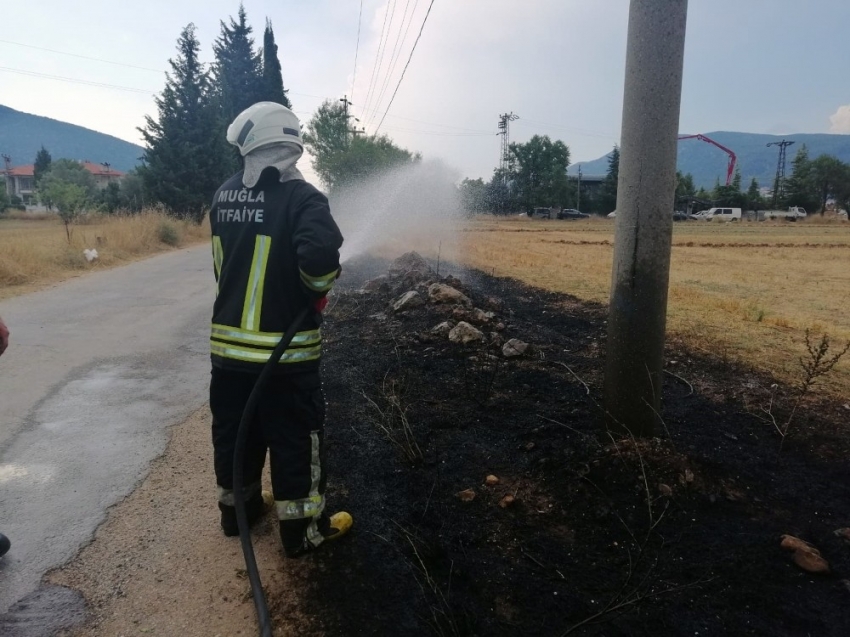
168,234
815,364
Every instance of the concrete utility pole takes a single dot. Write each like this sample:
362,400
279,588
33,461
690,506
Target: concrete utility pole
644,226
578,191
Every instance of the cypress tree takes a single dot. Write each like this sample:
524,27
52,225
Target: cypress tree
42,164
238,69
800,189
273,90
608,191
182,166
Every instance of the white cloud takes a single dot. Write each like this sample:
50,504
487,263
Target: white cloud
840,120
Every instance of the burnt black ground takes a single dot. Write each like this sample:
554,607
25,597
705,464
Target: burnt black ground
581,536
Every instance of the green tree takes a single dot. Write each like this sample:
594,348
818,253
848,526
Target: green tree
800,189
365,157
608,191
69,198
731,195
183,154
827,172
42,164
340,158
133,195
540,171
474,195
685,190
842,189
685,185
272,89
70,172
109,198
5,202
327,136
238,69
500,191
754,195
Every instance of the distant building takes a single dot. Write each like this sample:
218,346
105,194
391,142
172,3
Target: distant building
20,180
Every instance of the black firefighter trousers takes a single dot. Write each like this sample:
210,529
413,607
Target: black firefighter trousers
289,423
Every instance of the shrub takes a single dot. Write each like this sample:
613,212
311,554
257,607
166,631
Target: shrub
168,233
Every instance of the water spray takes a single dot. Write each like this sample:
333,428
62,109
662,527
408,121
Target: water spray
412,206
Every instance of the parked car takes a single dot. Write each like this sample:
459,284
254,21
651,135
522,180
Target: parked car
721,214
612,214
572,213
792,214
678,215
543,213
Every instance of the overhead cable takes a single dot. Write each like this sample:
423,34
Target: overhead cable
84,57
356,50
77,81
404,70
378,56
395,54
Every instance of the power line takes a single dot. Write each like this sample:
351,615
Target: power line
77,81
356,50
571,129
150,92
378,55
404,70
396,51
83,57
438,133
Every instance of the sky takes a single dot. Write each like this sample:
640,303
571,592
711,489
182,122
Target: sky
760,66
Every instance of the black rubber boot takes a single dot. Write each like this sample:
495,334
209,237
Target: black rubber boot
293,533
254,508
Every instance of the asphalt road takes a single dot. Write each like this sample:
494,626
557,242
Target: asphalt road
97,370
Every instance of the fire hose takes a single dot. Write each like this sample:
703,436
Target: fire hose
263,617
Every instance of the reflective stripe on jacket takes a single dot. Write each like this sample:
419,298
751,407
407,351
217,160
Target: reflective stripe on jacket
275,249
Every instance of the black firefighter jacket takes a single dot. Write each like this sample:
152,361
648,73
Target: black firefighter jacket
275,251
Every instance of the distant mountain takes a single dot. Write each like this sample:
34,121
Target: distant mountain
22,135
707,163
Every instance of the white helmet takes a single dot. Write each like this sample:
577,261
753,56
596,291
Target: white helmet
262,124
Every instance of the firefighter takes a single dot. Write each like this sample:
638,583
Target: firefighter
275,250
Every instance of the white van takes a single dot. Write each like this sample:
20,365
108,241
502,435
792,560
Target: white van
723,214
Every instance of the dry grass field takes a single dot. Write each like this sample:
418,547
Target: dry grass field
35,250
741,291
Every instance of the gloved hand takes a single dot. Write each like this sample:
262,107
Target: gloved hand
320,304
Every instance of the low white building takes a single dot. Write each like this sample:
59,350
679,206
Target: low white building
20,180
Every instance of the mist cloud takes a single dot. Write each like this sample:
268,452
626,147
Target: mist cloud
840,120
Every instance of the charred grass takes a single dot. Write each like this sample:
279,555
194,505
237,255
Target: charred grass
603,536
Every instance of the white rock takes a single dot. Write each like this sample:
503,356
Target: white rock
514,347
373,285
464,333
442,293
407,301
443,328
480,316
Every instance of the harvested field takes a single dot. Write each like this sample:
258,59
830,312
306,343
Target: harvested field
36,251
743,291
582,533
